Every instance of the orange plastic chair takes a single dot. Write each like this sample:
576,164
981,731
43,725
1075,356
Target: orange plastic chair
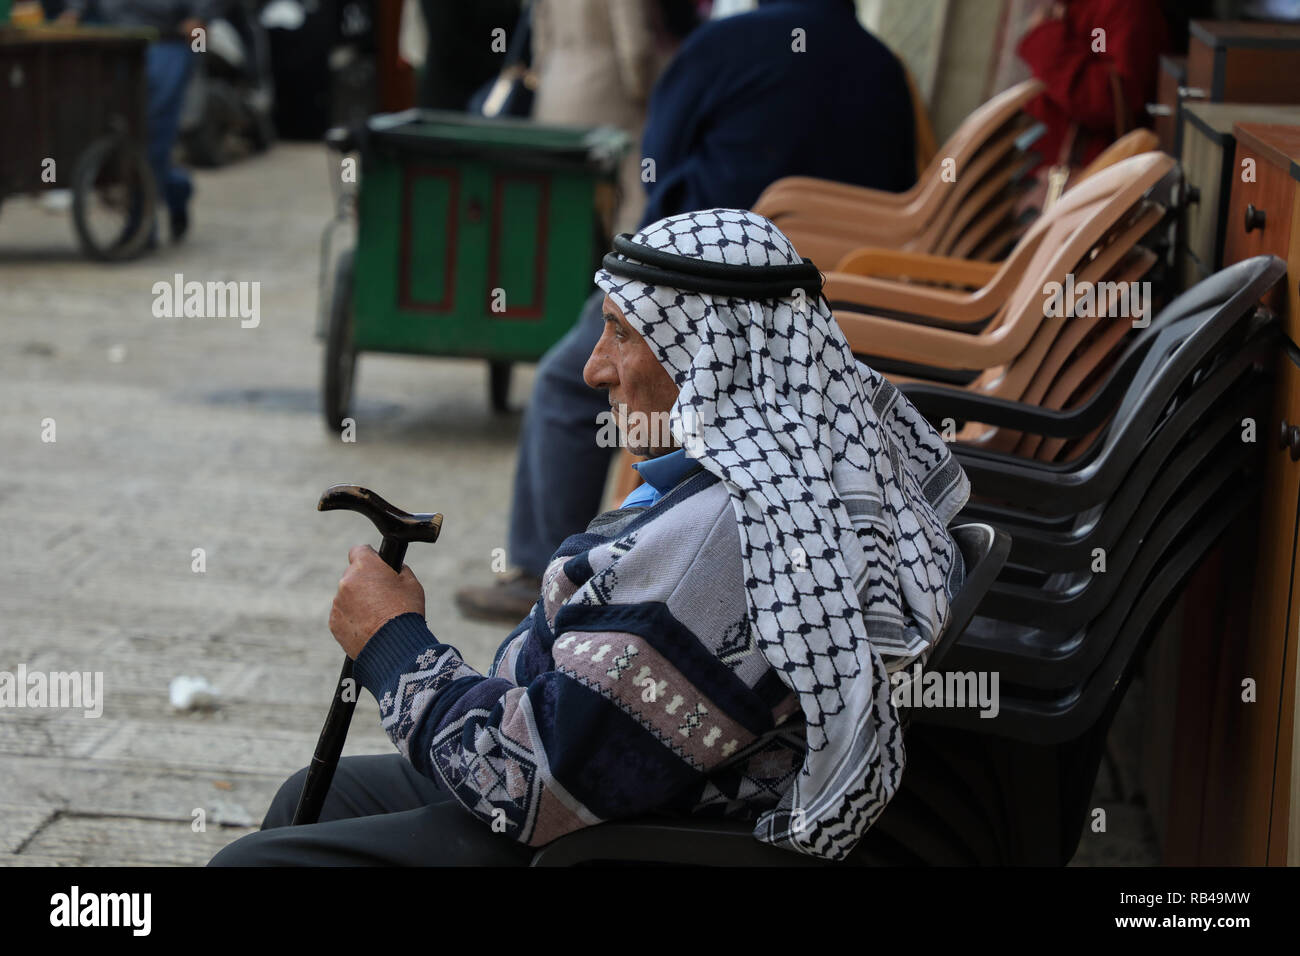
974,132
824,227
1073,227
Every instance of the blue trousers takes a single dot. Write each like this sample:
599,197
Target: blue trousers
168,66
561,471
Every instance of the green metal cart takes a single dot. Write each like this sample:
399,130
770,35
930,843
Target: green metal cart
475,238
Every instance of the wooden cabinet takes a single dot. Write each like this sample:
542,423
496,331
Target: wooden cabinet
1209,164
1249,813
1236,61
1171,77
1259,212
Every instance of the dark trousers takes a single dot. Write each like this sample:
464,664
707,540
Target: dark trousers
560,474
379,812
168,67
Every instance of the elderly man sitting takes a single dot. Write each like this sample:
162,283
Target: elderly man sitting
722,643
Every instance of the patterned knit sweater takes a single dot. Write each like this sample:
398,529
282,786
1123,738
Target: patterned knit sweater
633,686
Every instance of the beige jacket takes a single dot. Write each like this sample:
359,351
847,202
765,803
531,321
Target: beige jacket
596,62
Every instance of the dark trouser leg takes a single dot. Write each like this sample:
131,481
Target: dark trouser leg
560,475
168,66
379,812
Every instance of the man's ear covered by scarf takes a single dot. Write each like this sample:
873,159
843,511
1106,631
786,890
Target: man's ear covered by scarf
842,492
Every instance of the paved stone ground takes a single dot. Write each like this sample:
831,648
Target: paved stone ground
176,434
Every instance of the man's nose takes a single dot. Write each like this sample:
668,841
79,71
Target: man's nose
599,370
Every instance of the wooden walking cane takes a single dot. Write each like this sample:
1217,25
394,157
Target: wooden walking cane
398,529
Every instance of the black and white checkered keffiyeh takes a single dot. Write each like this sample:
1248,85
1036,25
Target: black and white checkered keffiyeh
843,493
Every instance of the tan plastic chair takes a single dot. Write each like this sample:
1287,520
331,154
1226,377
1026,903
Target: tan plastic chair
964,311
1055,357
880,278
914,208
974,132
1116,258
999,243
983,228
1074,226
1000,216
1132,143
824,227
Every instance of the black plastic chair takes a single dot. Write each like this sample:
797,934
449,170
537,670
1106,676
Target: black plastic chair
1075,595
1036,632
1063,659
1028,785
1064,602
713,842
1218,301
1020,782
1066,488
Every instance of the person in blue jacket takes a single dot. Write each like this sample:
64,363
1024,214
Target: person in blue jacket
795,87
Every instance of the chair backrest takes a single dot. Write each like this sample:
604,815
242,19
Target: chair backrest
972,135
1132,143
1143,416
982,123
926,147
1054,549
984,550
1062,604
1126,625
1121,260
1219,300
1056,246
1083,216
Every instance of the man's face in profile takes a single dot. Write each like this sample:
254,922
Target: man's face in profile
638,386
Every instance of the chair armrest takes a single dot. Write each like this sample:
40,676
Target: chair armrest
944,348
936,401
892,264
853,217
863,293
793,189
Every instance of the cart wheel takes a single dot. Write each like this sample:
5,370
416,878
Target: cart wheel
340,355
499,385
113,199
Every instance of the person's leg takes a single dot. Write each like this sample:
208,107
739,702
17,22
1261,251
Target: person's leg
379,812
168,69
442,834
362,786
560,474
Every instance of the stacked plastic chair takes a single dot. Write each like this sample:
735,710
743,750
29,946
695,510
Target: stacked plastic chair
963,204
1011,337
1171,468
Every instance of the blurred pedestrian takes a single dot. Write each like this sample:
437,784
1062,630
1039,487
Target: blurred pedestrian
796,87
168,66
1098,61
595,62
460,57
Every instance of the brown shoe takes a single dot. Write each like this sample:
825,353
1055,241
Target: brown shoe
510,599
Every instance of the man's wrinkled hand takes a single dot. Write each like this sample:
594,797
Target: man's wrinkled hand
369,596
